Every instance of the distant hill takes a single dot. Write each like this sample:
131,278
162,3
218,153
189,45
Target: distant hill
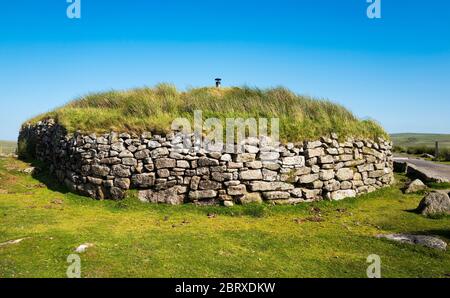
7,147
420,140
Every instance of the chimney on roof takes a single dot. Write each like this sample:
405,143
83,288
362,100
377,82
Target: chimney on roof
218,82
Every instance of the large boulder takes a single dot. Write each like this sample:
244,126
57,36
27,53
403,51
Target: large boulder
434,203
415,186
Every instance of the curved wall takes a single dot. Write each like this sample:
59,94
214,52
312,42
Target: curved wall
105,166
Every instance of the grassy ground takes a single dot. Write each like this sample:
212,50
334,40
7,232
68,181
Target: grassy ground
417,144
7,147
420,140
154,109
132,239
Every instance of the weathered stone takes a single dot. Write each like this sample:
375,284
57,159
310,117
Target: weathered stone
218,176
344,174
346,157
153,144
182,164
251,198
172,196
202,194
245,157
123,183
423,240
311,194
163,173
311,161
226,157
269,175
332,185
95,181
317,184
294,161
346,185
271,165
205,162
209,184
120,171
268,186
251,175
312,145
376,174
269,156
310,153
235,165
162,163
98,170
326,175
415,186
111,161
276,195
118,146
125,153
129,161
325,159
237,190
434,203
342,194
296,192
143,180
142,154
116,193
195,180
257,164
228,203
251,149
204,171
308,178
332,151
159,152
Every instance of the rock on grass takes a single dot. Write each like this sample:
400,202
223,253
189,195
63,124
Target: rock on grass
435,203
415,186
423,240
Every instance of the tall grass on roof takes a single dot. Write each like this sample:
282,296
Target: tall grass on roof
153,109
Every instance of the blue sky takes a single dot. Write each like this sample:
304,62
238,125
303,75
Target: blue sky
395,69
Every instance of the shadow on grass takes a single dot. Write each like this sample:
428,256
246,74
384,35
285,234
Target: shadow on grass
43,175
443,233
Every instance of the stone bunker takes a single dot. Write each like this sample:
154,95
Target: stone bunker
105,166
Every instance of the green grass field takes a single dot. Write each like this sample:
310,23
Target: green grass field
154,109
416,144
420,140
7,147
133,239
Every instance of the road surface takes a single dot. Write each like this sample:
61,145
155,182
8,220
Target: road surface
435,169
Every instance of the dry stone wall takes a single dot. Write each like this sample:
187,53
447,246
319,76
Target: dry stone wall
106,166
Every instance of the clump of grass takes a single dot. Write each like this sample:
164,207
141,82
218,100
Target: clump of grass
435,185
154,109
438,216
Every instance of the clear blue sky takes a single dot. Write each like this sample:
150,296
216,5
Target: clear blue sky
395,70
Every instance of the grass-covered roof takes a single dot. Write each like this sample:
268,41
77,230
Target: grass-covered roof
153,109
